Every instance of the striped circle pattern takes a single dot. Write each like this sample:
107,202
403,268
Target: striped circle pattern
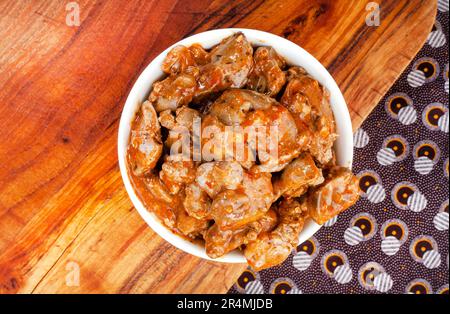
432,259
416,78
294,290
417,202
386,156
407,115
383,282
423,165
302,260
443,5
331,222
390,245
443,123
353,236
436,39
254,287
440,221
343,274
360,138
376,193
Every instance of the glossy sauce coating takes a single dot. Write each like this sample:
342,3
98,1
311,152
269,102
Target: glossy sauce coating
258,202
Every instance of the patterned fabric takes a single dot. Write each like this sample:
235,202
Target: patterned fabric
395,239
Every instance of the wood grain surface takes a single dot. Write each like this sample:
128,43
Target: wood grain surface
62,89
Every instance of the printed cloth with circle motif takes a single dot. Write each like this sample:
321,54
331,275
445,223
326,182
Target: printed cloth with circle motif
395,239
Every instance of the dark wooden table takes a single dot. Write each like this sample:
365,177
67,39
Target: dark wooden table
63,206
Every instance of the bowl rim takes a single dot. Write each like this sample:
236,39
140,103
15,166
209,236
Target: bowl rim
152,72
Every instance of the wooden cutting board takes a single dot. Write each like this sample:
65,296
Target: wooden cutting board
63,207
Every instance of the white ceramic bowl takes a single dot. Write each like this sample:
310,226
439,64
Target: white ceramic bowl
294,55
